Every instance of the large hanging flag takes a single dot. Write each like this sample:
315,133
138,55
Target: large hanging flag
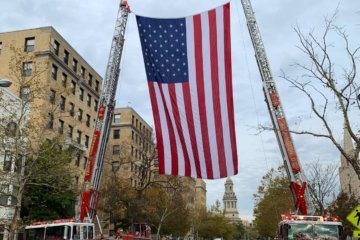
188,67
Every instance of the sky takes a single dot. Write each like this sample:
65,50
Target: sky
88,26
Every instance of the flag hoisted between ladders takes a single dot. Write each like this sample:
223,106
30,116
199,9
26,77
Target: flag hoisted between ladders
188,67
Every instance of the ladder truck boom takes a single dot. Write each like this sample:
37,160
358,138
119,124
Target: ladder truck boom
297,179
90,194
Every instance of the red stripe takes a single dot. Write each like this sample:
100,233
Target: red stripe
175,109
216,93
201,93
158,130
229,89
191,126
174,156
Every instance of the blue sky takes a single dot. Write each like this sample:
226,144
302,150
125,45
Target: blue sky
88,27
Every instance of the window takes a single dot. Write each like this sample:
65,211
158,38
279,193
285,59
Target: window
132,150
132,119
86,141
24,93
7,161
96,103
80,114
29,44
116,149
66,57
52,96
116,134
27,69
4,196
56,47
18,163
88,100
72,109
132,135
90,79
137,123
1,45
117,118
87,120
81,94
62,103
82,72
64,80
70,131
73,87
96,84
85,161
74,64
54,71
50,123
78,138
61,126
77,160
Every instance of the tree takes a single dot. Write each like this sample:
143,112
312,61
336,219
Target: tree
331,86
213,223
26,122
164,208
50,196
322,182
272,199
341,207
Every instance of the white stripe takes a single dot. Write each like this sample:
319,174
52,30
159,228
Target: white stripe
164,130
222,91
209,94
184,126
193,93
180,154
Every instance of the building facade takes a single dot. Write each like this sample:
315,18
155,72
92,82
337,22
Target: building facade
62,87
349,181
12,119
230,201
200,194
130,145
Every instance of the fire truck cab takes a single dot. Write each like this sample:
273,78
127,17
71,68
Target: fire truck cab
62,229
301,227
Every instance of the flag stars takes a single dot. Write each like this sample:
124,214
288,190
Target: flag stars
164,49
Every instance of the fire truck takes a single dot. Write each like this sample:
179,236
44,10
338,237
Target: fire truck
301,225
59,230
310,227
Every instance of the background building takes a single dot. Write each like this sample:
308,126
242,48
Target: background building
230,201
200,194
62,87
130,144
349,181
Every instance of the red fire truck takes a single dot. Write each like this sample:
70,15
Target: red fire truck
310,227
61,229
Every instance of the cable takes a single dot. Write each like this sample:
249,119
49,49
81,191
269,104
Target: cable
252,89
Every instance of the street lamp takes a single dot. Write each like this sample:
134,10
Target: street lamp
5,83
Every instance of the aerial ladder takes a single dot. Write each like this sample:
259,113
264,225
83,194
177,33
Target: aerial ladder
90,194
298,184
82,226
291,226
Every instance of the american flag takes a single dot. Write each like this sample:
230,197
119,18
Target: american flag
188,67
